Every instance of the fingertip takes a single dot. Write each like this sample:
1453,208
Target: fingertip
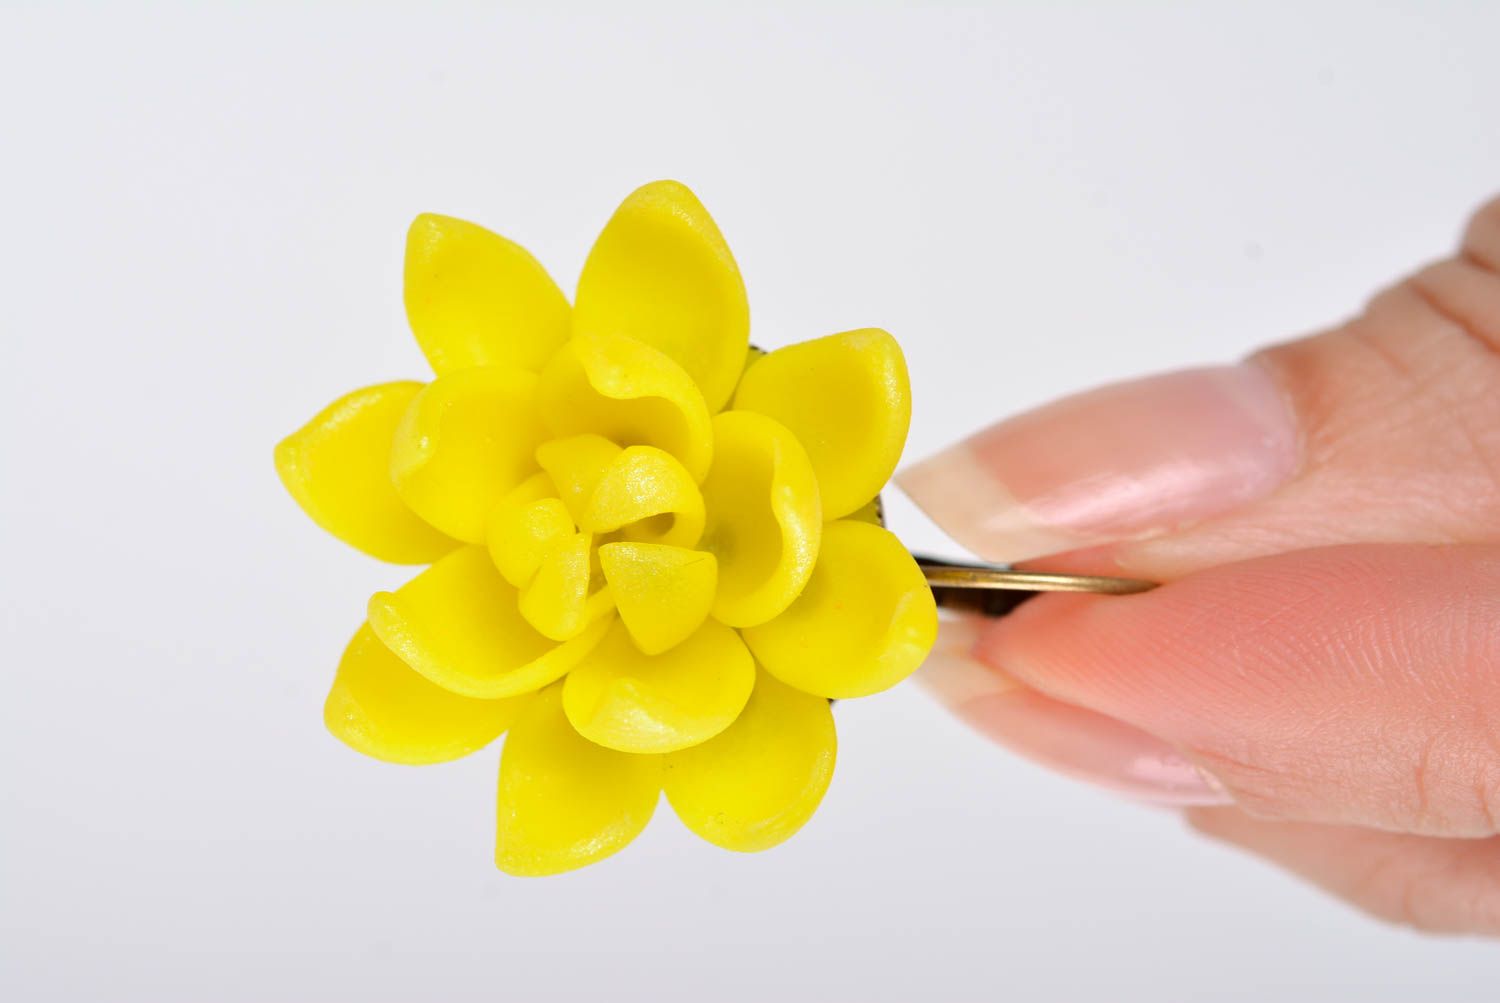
951,673
1117,462
1320,685
956,491
1071,740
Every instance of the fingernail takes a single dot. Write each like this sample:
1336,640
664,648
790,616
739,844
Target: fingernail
1091,747
1071,740
1120,462
952,674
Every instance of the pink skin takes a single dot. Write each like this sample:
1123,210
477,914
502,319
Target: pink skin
1077,742
1176,448
1326,652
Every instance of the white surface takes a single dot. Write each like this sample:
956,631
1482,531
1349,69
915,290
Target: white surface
204,216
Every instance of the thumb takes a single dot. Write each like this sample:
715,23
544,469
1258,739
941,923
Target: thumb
1383,429
1356,684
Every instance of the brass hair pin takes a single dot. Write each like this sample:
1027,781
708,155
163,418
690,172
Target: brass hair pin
995,590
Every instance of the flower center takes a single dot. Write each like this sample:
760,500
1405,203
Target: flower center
601,529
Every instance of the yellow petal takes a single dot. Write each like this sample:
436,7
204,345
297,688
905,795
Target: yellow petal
524,527
565,802
623,699
575,465
649,496
757,783
763,517
627,392
864,622
381,707
661,272
847,399
475,299
534,488
337,467
459,624
557,600
465,441
663,593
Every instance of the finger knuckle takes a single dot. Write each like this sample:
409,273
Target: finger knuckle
1462,294
1454,789
1444,895
1427,353
1481,242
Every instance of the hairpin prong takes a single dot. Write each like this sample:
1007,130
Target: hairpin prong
995,590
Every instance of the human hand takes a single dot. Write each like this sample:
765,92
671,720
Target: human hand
1318,681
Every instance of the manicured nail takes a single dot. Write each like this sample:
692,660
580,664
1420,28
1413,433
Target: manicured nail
1071,740
951,672
1092,747
1121,462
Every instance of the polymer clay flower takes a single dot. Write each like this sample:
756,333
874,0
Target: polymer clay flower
655,554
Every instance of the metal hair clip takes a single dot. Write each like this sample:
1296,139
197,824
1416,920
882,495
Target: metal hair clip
995,590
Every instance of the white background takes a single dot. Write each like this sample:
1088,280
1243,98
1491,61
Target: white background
204,213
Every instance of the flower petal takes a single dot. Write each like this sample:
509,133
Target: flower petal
381,707
337,467
465,441
474,298
663,593
623,699
756,784
662,273
630,393
565,802
575,465
847,399
458,623
864,622
649,496
524,527
557,600
763,517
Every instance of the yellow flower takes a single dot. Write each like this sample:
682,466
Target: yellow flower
654,558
